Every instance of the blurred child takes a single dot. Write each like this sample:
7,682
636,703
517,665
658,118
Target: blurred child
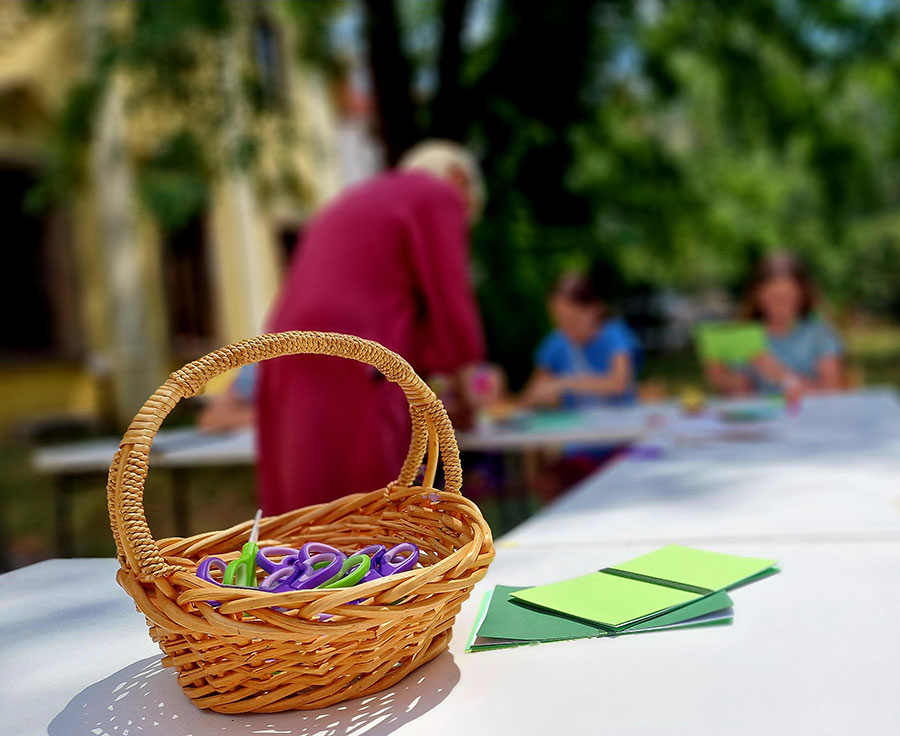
804,352
590,357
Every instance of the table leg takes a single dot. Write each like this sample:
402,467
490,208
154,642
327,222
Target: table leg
504,497
516,497
62,502
181,512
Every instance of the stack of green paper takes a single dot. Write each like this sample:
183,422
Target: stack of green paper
672,587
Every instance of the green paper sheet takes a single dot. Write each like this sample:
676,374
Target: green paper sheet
699,568
645,587
729,342
504,623
506,620
609,600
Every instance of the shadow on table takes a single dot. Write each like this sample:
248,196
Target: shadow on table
145,699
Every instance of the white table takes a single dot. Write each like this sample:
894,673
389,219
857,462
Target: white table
191,448
813,650
174,450
831,472
180,450
599,427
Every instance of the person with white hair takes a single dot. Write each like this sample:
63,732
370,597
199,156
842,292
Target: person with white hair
387,260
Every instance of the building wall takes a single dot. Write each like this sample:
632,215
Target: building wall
41,55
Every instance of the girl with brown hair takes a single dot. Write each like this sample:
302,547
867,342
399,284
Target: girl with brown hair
804,353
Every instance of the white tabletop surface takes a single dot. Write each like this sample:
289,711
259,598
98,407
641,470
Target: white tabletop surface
830,472
186,447
171,448
182,448
812,650
599,426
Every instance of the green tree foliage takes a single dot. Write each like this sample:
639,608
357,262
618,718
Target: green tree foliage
744,127
676,139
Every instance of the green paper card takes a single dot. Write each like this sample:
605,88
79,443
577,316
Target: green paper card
506,620
504,623
730,342
645,587
609,600
698,568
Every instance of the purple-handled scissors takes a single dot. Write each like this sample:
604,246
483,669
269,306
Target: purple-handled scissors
393,562
375,552
203,572
322,570
265,558
303,575
317,548
388,562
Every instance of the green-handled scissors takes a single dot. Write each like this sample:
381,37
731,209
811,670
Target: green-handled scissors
353,569
242,571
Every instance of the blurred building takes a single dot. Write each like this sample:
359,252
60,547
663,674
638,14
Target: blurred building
100,301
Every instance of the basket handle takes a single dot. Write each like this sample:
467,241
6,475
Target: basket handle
125,488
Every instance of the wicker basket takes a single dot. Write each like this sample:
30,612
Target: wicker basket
268,652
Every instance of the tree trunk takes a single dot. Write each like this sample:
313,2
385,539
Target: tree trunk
390,78
448,119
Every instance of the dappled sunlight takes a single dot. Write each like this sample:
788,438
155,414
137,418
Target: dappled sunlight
144,699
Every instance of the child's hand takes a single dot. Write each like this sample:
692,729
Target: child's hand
726,381
769,367
544,392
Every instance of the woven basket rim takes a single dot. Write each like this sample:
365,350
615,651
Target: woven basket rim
192,582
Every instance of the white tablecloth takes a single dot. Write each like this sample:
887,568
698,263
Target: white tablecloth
830,472
813,650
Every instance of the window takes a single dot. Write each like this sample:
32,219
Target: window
37,292
268,57
188,289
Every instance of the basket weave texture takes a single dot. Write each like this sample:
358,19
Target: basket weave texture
268,652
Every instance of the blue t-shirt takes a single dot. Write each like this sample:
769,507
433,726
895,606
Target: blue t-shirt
801,349
560,356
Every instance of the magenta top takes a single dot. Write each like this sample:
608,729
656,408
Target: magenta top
388,260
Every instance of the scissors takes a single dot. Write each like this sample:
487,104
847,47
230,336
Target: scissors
290,555
203,572
393,561
388,562
303,575
319,565
242,571
322,570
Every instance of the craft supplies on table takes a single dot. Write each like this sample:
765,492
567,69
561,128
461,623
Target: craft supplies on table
672,587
